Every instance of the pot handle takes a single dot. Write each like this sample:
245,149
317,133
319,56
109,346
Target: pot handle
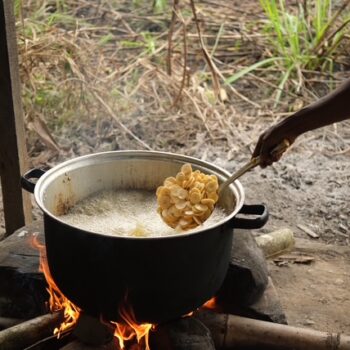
259,210
26,182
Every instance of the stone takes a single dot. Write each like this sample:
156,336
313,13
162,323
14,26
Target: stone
247,275
184,334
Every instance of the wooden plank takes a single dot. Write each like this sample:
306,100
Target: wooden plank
13,154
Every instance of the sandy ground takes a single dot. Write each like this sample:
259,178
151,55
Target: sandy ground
316,295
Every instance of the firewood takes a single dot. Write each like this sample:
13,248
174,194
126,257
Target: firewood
276,243
230,332
6,322
29,332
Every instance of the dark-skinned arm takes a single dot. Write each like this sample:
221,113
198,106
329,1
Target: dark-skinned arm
332,108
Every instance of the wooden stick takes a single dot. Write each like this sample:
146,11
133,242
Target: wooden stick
29,332
229,331
6,322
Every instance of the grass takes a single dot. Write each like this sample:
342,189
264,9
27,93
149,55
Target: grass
302,38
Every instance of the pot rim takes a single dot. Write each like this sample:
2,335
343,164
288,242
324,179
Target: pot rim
66,166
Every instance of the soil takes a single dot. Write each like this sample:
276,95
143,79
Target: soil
307,191
315,294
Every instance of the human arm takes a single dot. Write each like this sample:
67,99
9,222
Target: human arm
330,109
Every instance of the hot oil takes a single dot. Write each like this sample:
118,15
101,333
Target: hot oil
130,213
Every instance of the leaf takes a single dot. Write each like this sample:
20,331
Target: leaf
38,125
281,85
249,69
106,39
131,44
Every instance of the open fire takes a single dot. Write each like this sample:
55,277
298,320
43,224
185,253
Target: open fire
130,329
123,332
57,300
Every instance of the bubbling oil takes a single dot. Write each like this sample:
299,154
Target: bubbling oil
128,213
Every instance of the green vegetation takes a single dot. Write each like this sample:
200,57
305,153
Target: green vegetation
86,60
302,38
159,6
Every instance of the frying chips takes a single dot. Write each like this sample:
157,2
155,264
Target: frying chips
187,200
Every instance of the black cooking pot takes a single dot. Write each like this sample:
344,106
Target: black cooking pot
162,278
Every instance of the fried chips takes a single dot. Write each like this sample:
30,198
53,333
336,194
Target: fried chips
187,200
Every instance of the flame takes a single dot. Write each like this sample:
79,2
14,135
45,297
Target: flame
210,304
57,300
124,332
131,329
191,313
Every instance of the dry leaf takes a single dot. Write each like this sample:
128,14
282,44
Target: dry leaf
38,124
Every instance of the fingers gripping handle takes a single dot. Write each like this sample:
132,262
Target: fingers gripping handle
280,148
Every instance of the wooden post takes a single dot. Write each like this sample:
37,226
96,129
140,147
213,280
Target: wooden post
13,154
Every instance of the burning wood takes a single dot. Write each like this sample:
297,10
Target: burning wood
6,322
57,301
124,332
29,332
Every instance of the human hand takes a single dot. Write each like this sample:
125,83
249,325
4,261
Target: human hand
272,144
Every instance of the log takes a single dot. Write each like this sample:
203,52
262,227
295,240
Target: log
27,333
6,322
276,243
231,332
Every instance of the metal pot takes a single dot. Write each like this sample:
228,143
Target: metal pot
161,277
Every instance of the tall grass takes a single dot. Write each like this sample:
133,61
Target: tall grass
301,38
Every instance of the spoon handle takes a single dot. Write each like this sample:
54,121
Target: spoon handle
279,149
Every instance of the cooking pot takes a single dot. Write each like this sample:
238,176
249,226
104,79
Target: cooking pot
161,278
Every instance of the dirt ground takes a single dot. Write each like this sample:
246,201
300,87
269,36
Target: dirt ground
307,191
310,188
316,295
